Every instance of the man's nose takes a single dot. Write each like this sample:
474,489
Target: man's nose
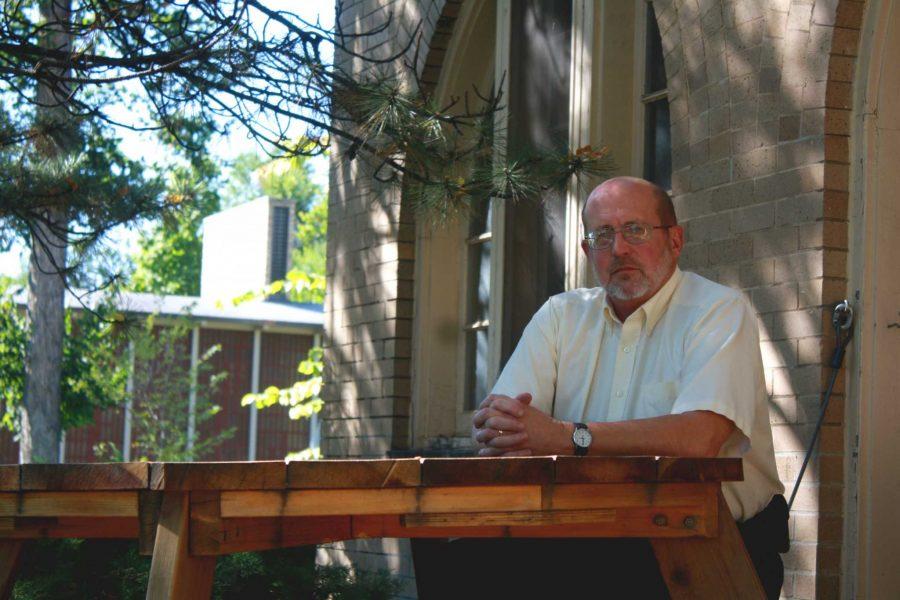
620,246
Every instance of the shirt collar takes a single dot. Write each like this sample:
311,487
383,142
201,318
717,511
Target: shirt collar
653,309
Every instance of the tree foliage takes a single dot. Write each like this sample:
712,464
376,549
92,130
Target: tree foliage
302,399
170,251
310,253
163,383
92,375
242,63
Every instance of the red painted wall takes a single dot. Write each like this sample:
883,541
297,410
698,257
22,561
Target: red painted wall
277,434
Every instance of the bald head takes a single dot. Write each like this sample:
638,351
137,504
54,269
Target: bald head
633,187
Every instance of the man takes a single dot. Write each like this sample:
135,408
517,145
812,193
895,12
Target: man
655,362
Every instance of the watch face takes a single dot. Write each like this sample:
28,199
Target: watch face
582,437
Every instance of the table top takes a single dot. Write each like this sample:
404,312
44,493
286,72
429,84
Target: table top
365,473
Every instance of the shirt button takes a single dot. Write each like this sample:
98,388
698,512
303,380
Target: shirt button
619,394
627,349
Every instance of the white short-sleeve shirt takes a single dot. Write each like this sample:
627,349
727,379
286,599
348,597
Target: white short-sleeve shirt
693,346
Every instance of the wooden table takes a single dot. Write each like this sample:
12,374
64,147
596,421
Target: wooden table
187,514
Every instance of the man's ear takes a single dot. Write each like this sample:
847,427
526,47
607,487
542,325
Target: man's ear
676,240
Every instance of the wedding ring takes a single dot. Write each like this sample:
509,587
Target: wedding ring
499,433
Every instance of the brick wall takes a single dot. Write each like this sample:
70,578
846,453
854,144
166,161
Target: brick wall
760,95
368,321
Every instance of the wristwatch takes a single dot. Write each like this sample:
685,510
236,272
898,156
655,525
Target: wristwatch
582,439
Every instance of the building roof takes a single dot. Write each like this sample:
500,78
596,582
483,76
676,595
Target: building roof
257,313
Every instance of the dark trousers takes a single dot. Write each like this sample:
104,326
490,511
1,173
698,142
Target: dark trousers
586,568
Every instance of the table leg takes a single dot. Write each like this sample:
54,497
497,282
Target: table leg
174,573
717,567
10,552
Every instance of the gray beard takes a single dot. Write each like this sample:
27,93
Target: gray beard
642,287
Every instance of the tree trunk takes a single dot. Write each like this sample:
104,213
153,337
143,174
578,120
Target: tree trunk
40,422
40,435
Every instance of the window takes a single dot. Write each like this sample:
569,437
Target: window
657,142
477,320
479,281
511,269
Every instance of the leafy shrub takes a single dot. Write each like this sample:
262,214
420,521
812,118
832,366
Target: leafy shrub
113,570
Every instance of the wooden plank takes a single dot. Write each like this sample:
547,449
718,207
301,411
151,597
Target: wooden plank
717,567
509,518
266,533
605,469
68,527
174,573
646,469
381,526
332,474
10,555
261,475
303,503
619,495
628,522
69,504
9,478
700,469
84,477
487,471
149,505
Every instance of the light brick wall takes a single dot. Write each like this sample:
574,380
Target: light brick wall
760,95
369,300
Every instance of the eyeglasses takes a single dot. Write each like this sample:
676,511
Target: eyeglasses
634,233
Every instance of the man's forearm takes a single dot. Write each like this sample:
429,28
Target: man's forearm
510,426
695,433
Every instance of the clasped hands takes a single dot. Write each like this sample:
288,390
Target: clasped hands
509,426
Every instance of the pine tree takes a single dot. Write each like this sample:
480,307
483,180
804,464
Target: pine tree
69,72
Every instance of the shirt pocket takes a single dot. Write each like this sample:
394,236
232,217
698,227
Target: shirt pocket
656,399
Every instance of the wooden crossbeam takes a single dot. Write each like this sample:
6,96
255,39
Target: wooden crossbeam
617,495
68,527
510,518
69,504
302,503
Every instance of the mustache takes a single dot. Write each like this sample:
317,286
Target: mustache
617,264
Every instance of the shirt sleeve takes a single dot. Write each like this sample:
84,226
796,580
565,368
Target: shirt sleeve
722,370
532,367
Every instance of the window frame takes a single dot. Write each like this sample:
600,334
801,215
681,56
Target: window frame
581,111
643,99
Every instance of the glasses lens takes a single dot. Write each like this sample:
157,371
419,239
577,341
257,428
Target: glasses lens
636,232
602,238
